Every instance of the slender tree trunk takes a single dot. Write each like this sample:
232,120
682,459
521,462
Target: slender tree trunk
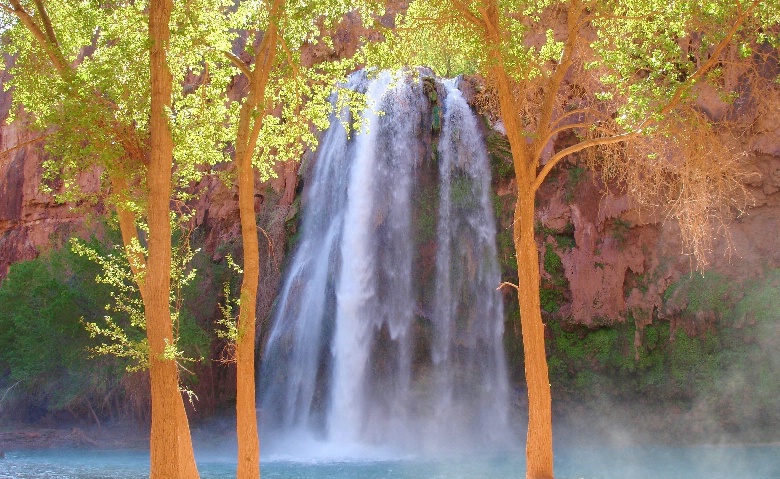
246,412
246,141
170,444
539,451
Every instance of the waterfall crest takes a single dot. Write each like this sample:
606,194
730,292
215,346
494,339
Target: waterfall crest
388,328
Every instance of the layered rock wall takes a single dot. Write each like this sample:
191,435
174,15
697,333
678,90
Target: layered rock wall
30,220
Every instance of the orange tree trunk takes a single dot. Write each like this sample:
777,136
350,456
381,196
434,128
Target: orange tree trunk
246,413
246,141
539,452
170,443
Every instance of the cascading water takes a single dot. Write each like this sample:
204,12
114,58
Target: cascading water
388,329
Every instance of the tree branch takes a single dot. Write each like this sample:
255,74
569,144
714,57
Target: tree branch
46,20
288,54
711,62
556,80
51,49
469,15
239,63
560,129
676,98
608,140
246,139
130,235
23,144
579,111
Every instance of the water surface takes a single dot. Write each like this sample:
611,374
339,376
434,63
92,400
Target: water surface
636,462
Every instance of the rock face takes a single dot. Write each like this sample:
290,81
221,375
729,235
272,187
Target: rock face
623,259
349,34
30,220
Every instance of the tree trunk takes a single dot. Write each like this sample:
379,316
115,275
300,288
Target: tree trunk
246,413
170,443
246,141
539,452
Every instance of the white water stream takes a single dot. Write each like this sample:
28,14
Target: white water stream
388,329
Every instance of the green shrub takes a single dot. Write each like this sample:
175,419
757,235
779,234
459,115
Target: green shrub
43,345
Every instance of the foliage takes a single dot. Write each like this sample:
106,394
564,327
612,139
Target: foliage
759,304
228,324
751,352
127,340
573,179
297,102
45,304
615,80
663,367
702,292
619,230
42,342
646,65
500,155
439,45
100,104
555,283
124,328
426,214
461,191
564,238
506,252
553,265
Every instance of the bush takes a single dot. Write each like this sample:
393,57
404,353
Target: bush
43,345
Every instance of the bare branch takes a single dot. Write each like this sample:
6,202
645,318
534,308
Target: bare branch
578,111
563,128
579,147
674,102
556,80
6,393
270,243
239,63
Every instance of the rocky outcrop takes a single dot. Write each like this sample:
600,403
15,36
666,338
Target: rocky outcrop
625,258
349,34
31,220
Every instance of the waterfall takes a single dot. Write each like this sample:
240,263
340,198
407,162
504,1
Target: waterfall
388,328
